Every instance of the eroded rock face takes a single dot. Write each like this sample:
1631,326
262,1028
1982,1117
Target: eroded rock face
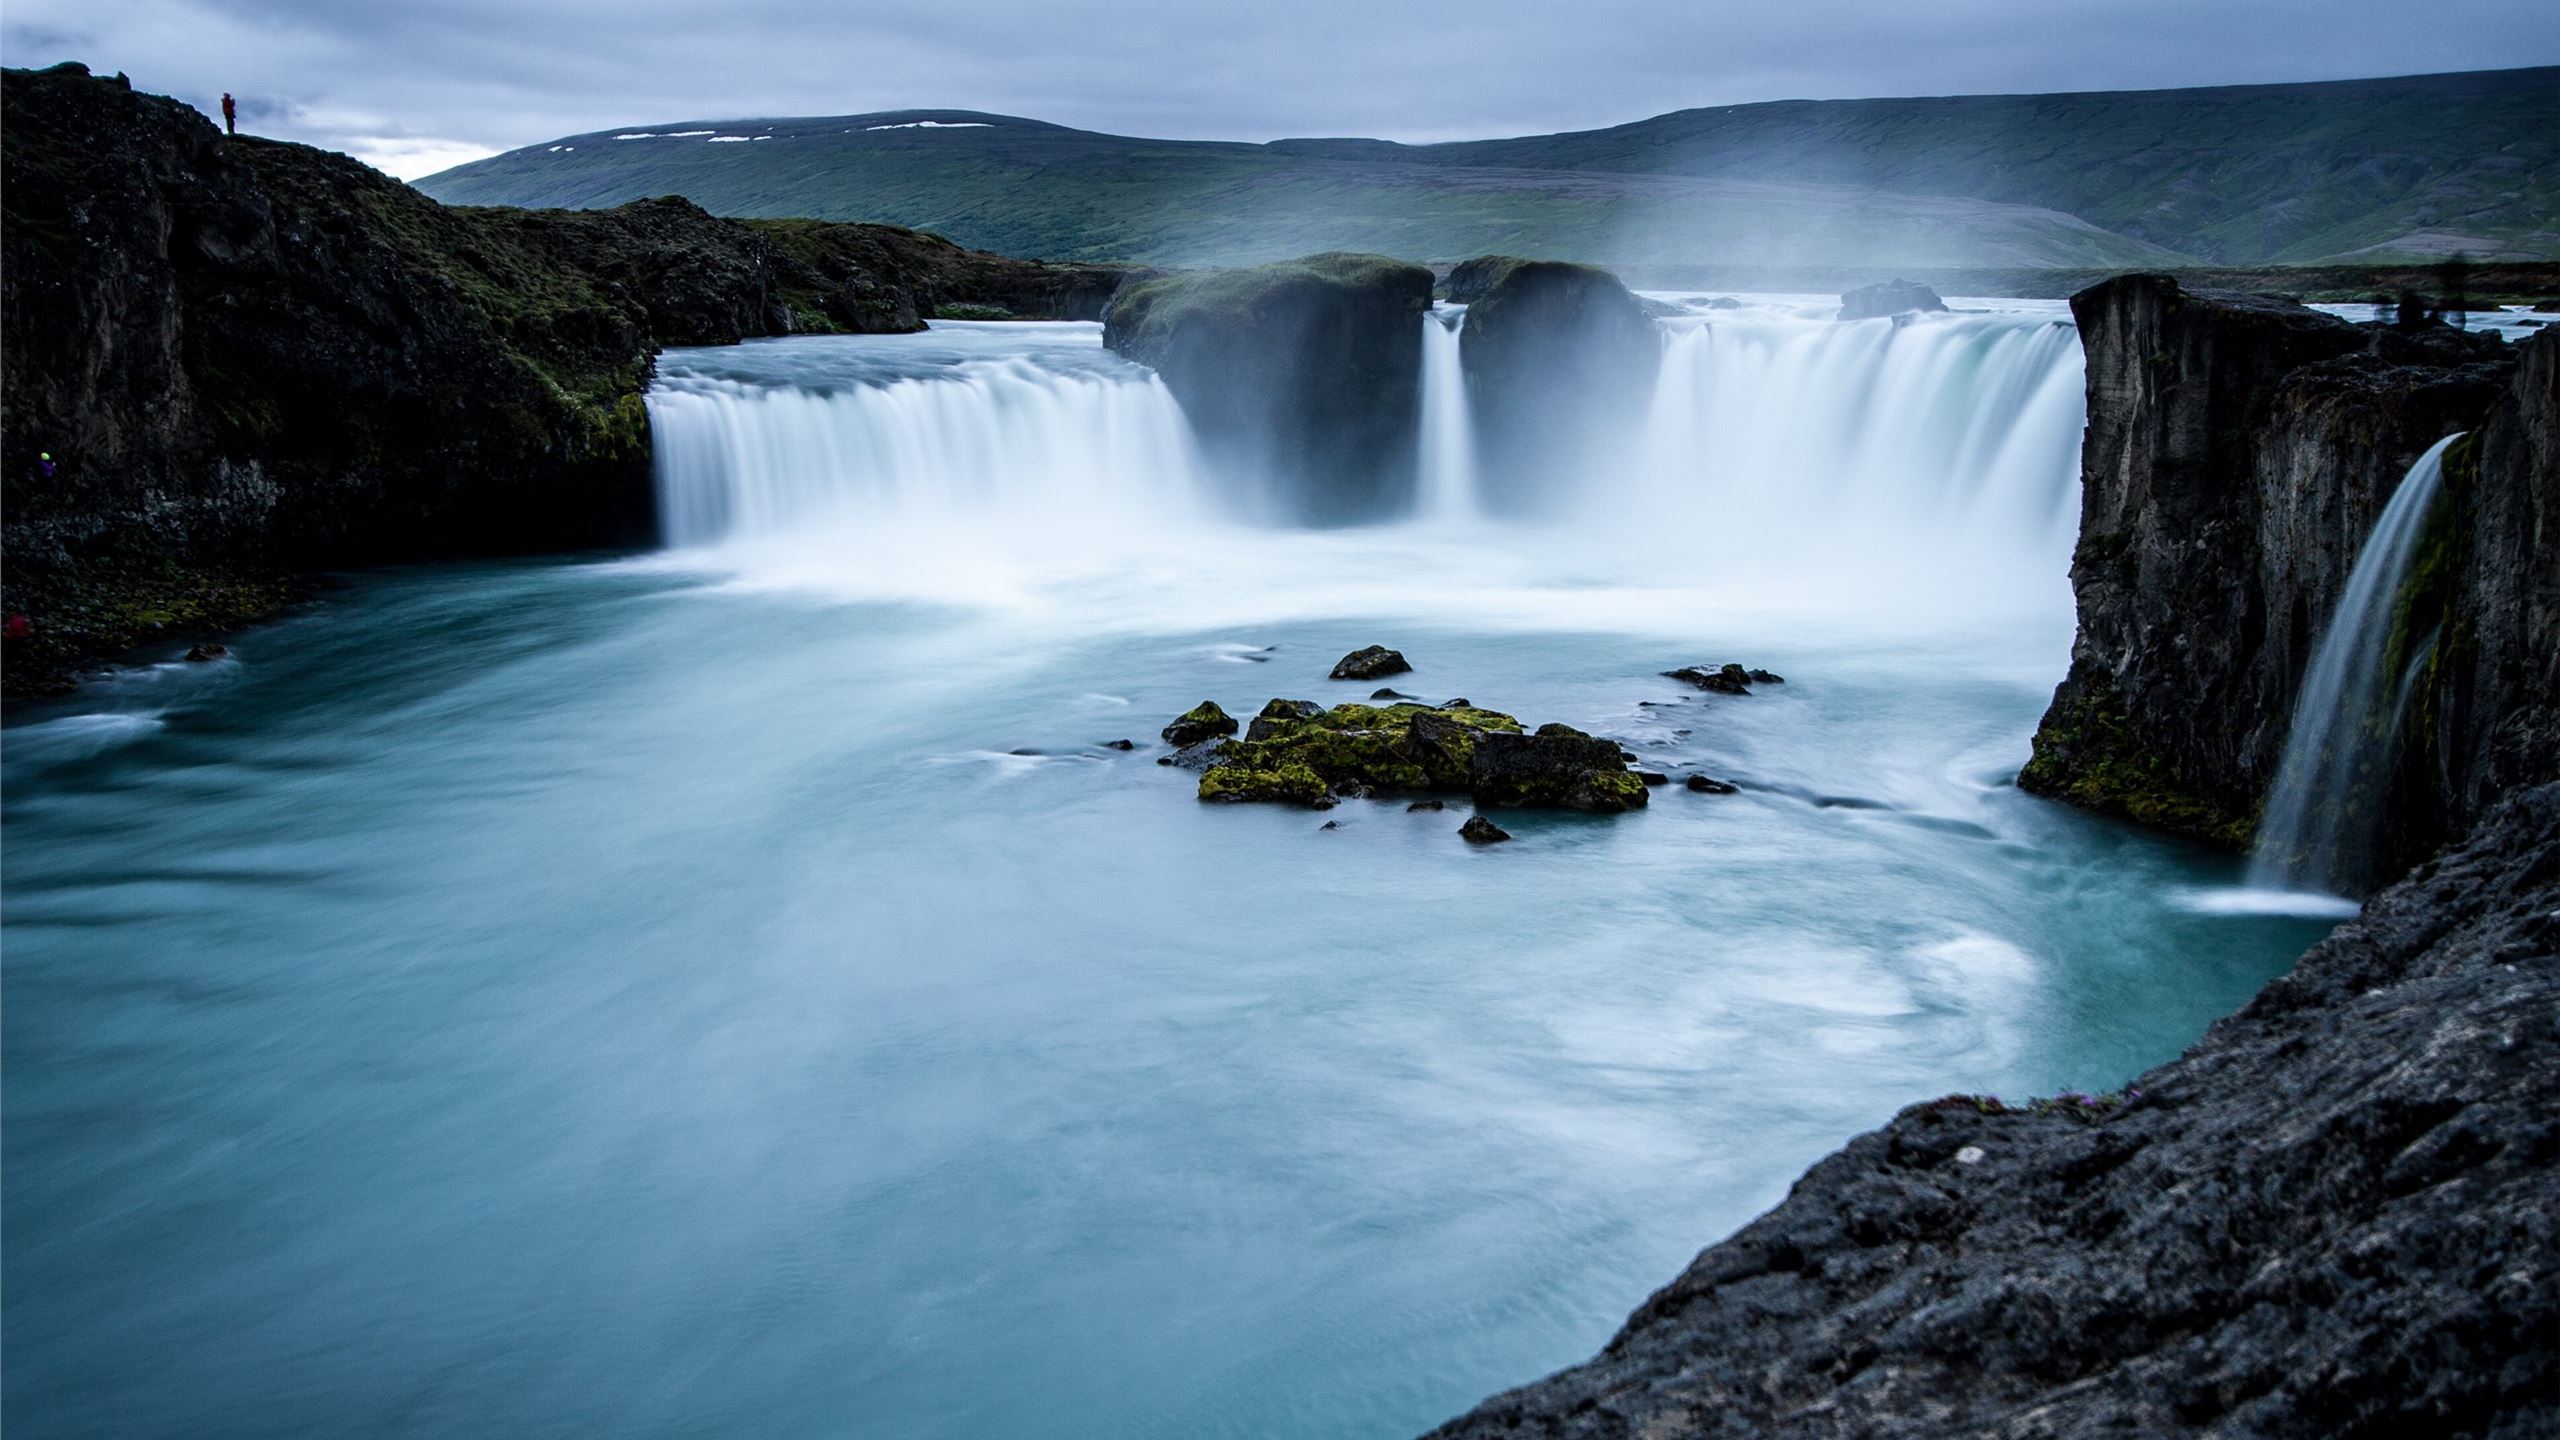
251,360
2238,452
1308,370
1560,362
1558,766
1891,297
2333,1217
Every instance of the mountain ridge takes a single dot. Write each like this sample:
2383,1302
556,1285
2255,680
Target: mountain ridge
2404,168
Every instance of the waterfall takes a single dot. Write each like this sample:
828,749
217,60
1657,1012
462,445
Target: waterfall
1957,435
1447,488
1011,443
2324,814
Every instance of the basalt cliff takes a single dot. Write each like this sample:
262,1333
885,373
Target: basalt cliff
232,362
2239,450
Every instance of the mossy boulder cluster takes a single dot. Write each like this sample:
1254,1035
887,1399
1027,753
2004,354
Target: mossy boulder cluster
1307,371
1297,752
250,361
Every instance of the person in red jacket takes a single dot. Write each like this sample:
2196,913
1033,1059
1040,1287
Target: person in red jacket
230,114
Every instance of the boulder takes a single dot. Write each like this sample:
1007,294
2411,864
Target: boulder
1276,713
1374,662
1707,786
1307,372
1722,680
1558,766
1892,297
1204,721
1560,362
1480,831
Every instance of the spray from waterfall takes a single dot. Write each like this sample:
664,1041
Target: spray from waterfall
2324,815
1447,489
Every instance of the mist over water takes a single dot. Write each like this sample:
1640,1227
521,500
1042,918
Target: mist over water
735,989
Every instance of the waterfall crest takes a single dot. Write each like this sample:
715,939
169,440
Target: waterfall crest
2330,789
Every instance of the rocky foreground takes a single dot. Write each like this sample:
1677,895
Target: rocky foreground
2336,1216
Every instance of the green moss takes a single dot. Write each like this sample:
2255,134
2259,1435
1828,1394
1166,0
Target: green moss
1149,313
965,311
1396,748
2086,754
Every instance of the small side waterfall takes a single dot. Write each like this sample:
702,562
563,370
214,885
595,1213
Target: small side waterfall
2323,813
1447,488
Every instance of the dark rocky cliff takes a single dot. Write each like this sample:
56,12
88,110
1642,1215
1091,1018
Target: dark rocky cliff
1307,370
1560,361
2335,1217
250,361
2239,450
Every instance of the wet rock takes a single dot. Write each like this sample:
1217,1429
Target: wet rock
1204,721
1762,677
1653,777
209,650
1722,680
1558,766
1330,825
1373,662
1276,713
1480,831
1389,694
1119,744
1458,704
1893,297
1560,359
1706,785
1426,805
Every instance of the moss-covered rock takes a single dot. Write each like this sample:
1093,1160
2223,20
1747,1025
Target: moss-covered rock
1204,721
1307,371
1558,766
1297,754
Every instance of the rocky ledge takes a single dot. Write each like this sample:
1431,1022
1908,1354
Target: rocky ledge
2336,1216
233,362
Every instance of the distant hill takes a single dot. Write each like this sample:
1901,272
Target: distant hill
2373,171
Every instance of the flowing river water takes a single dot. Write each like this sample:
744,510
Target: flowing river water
735,989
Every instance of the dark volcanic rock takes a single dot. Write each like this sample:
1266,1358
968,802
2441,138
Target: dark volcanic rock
209,650
1557,766
1276,714
1723,680
1119,744
2335,1216
1892,297
2238,452
1375,662
1480,831
1204,721
1426,805
1309,369
1706,785
1560,363
252,361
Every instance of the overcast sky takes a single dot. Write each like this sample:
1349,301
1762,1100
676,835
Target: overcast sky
415,87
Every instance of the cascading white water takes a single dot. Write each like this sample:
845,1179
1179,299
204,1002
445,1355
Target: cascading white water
801,437
2321,815
1786,436
1447,481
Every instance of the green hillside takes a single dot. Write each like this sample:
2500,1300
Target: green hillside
2370,170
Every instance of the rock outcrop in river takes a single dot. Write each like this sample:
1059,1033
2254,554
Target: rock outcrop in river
1309,367
1560,362
250,360
2238,452
2333,1217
